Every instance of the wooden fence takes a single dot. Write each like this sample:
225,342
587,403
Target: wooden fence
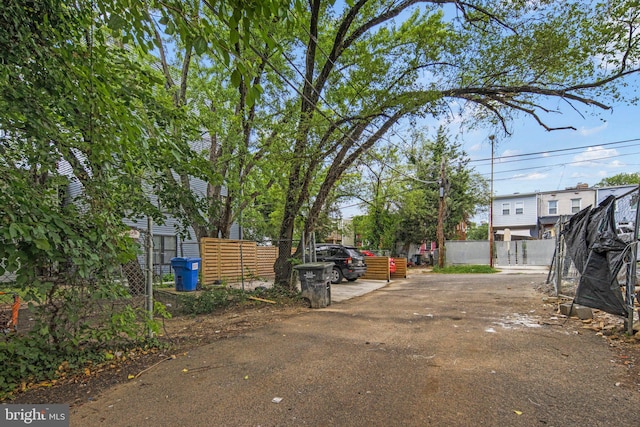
378,268
401,269
224,259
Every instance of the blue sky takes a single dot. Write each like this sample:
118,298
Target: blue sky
596,150
610,141
605,143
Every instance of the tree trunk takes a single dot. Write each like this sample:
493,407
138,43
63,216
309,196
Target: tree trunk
282,266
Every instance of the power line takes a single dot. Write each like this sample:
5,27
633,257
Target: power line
547,167
548,157
560,150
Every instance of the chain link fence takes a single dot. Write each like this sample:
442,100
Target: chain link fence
565,276
6,278
150,270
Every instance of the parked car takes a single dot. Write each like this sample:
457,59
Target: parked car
349,262
392,262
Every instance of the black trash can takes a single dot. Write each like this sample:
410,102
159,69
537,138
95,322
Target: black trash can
315,282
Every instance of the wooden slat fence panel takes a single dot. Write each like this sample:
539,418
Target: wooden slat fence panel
224,259
377,268
210,254
236,255
266,257
221,261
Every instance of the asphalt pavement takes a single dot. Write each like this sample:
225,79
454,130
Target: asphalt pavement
429,350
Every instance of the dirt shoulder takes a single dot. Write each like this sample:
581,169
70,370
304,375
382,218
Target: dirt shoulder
179,335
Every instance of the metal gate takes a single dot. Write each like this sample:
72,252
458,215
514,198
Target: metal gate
523,252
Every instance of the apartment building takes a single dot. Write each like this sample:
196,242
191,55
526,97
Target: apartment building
534,215
554,205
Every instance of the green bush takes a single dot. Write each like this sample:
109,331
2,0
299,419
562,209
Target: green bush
212,299
29,359
209,300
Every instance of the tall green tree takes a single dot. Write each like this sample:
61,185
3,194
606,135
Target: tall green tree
363,72
478,232
620,179
464,190
80,114
212,58
378,188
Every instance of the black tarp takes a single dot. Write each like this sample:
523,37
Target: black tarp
597,252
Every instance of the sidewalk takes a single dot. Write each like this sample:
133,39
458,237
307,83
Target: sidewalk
522,269
340,292
348,290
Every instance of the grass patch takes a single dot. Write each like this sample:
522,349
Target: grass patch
465,269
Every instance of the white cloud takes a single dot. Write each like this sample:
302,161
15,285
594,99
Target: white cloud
580,175
592,131
617,164
597,156
475,147
506,153
530,176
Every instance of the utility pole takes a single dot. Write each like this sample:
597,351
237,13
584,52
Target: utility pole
441,208
491,138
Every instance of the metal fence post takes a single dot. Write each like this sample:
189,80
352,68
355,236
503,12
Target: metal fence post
631,274
149,257
559,254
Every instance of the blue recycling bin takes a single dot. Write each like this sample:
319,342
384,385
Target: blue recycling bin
185,271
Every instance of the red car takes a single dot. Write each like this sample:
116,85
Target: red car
392,262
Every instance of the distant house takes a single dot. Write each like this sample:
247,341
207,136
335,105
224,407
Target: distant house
535,215
515,216
552,205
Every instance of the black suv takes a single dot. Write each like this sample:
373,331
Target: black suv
349,262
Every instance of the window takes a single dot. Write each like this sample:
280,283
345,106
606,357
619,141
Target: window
164,248
506,209
575,205
323,251
553,207
519,208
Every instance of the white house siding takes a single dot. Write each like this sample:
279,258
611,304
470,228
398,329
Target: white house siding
521,224
75,188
